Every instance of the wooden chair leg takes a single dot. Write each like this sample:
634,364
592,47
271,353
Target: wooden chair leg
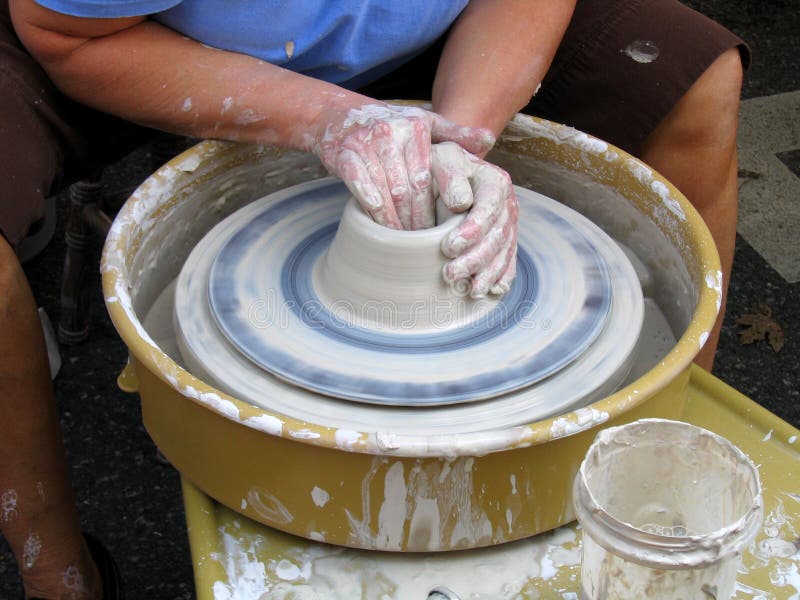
79,268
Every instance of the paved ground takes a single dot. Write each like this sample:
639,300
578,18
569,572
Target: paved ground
133,501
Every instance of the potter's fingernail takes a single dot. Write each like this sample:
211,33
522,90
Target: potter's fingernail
454,272
458,195
459,201
457,245
368,199
373,201
399,191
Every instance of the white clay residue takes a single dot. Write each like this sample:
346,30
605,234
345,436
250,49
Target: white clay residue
714,281
642,51
321,572
703,339
246,575
767,437
72,579
248,116
320,496
561,134
187,105
304,434
31,550
8,506
777,548
269,507
289,48
648,178
660,188
392,514
584,418
226,105
265,423
438,512
347,439
189,164
287,570
365,114
316,536
221,405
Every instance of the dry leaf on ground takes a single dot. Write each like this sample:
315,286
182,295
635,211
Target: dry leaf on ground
758,325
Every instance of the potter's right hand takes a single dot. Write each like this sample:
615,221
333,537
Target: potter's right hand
382,152
484,246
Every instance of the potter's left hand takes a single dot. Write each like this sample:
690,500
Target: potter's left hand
382,152
484,246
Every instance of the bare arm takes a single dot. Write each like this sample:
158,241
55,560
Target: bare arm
139,70
142,71
496,56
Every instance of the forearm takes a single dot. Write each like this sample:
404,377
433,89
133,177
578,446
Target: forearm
149,74
497,54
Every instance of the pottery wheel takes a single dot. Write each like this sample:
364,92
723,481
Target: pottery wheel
254,320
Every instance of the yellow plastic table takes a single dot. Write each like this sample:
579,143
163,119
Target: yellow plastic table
236,558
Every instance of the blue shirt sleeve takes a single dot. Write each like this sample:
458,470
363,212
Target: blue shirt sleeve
108,9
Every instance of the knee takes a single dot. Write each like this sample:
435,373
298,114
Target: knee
712,103
13,284
724,79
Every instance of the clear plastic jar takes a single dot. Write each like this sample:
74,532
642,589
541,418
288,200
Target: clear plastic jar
666,510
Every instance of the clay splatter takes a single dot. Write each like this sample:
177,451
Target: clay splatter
31,551
642,51
320,496
268,506
226,105
72,579
8,506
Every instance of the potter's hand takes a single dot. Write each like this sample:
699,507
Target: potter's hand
484,246
382,153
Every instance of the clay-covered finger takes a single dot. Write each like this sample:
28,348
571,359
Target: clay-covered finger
490,188
396,175
477,140
418,165
423,208
452,170
487,278
507,278
373,197
477,258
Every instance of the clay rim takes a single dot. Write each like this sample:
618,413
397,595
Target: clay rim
127,230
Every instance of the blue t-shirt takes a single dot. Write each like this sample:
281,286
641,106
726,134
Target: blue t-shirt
347,42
